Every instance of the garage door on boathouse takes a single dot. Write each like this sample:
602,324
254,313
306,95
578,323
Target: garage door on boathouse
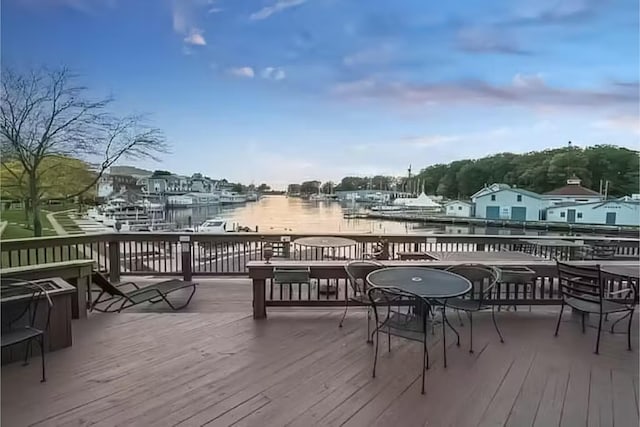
493,212
519,213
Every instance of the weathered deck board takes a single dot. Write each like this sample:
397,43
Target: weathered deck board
214,365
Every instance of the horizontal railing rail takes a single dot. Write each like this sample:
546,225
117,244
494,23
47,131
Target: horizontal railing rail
199,254
328,284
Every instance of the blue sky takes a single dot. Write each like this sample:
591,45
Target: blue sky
280,91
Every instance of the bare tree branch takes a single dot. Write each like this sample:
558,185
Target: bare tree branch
45,113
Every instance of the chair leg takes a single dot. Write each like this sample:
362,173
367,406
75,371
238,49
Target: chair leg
424,358
459,318
599,331
559,319
582,319
44,378
495,323
389,338
369,334
446,319
629,330
27,352
375,355
470,314
346,307
444,336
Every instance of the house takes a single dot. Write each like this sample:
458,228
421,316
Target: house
110,184
499,202
458,208
609,212
573,192
487,189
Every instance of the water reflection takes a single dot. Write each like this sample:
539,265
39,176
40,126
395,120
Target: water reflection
283,214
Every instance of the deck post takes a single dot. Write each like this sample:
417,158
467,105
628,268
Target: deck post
114,261
185,249
259,299
480,247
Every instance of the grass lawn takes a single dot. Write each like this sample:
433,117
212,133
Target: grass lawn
17,228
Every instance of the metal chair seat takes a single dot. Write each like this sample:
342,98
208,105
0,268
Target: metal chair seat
19,335
594,307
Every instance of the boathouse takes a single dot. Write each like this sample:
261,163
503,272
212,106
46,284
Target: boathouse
610,212
509,203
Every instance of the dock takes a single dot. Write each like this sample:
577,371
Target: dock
535,225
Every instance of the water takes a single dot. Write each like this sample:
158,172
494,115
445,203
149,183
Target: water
283,214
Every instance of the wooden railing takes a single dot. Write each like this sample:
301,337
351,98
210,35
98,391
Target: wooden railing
328,284
228,254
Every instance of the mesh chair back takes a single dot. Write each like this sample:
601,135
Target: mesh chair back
483,278
357,271
403,313
582,283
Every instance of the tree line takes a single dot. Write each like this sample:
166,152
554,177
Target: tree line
538,171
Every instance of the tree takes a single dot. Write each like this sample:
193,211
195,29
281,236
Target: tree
327,187
263,188
237,188
309,187
46,116
293,189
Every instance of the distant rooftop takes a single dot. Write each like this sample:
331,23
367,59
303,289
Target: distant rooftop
573,188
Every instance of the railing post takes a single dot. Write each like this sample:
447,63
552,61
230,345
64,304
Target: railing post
185,249
114,261
259,299
480,247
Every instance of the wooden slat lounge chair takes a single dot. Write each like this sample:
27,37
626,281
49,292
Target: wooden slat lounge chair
117,299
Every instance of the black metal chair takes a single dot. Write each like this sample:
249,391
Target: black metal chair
26,314
402,314
583,290
357,272
484,279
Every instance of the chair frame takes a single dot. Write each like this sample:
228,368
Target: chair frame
360,295
38,293
390,297
114,293
481,301
582,287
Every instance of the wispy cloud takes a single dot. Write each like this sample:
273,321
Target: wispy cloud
243,72
555,12
184,22
278,6
488,40
628,123
195,37
526,91
429,140
374,55
273,73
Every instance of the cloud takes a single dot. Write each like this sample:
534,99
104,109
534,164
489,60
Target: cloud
278,6
273,73
621,123
488,40
429,140
195,37
525,91
244,72
184,22
543,12
375,55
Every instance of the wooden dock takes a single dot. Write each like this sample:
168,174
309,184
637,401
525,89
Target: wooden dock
483,222
213,364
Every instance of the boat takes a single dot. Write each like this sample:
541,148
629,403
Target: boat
192,200
216,226
386,208
229,198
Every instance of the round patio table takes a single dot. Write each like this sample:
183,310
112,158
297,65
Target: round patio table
325,242
429,283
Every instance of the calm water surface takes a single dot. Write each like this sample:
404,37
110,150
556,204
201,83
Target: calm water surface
282,214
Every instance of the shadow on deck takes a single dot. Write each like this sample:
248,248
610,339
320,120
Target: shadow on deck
213,364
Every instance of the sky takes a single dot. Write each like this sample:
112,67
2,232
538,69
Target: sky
282,91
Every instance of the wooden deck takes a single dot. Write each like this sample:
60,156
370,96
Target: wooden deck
213,364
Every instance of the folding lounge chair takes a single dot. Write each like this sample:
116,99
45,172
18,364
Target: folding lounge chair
119,300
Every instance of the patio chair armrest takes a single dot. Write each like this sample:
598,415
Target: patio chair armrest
621,291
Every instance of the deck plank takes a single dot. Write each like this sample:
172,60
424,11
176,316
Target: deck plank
213,364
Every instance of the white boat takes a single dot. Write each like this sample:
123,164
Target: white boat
387,208
216,226
228,197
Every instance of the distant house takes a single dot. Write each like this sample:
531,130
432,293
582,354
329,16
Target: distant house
458,208
609,212
487,189
498,202
573,192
